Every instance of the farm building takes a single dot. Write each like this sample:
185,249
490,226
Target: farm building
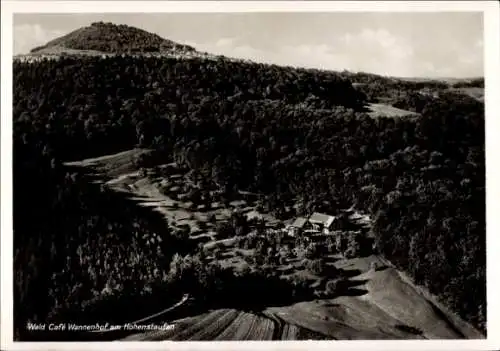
297,226
321,222
316,223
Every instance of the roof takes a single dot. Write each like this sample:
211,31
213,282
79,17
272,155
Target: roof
355,216
321,218
299,222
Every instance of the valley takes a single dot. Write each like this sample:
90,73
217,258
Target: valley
381,301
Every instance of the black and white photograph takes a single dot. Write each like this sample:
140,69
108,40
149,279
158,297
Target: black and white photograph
274,175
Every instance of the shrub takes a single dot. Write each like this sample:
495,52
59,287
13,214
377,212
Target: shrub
240,231
258,259
332,287
202,225
217,253
250,260
304,263
339,240
331,246
351,252
299,281
272,259
283,260
164,190
182,233
245,271
225,230
212,218
206,250
316,267
353,246
312,251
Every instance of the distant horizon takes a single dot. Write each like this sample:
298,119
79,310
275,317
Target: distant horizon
394,45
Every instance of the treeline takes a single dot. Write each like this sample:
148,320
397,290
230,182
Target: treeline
387,89
418,102
472,83
295,136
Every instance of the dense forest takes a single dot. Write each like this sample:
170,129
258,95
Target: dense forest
295,136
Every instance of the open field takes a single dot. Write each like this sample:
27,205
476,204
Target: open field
387,307
121,175
383,110
379,302
476,93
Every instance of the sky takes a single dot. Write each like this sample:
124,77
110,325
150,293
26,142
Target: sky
425,44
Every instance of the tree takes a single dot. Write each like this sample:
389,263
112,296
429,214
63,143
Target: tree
225,230
333,287
312,251
317,266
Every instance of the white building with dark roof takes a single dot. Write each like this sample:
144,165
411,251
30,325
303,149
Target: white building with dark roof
316,223
321,222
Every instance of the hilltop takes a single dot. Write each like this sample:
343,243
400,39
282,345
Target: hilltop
112,38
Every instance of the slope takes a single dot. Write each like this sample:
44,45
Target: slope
383,303
108,37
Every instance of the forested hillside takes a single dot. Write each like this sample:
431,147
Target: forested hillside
107,37
296,136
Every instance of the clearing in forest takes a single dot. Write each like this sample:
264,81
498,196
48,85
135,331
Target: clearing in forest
383,110
379,302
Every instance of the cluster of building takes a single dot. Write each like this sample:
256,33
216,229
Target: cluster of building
316,223
347,227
